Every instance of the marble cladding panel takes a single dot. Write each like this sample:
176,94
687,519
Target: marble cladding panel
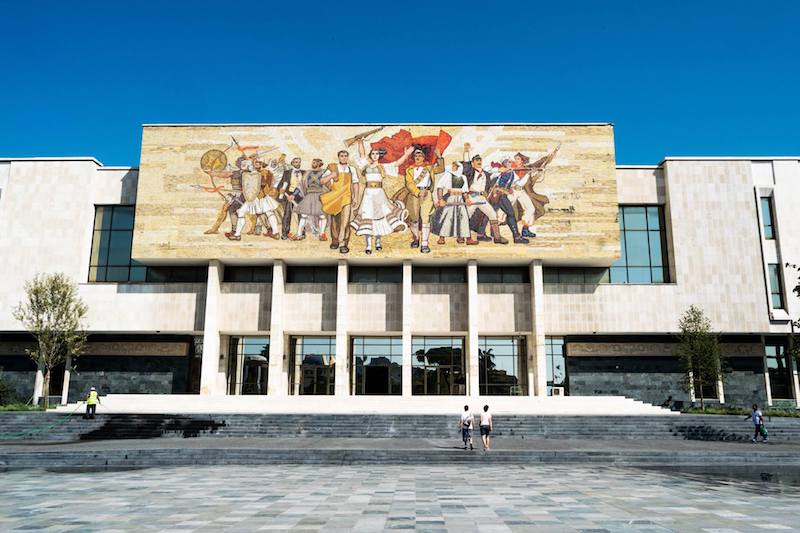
439,307
375,307
245,307
504,308
309,307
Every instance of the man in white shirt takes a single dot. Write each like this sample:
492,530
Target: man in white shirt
466,424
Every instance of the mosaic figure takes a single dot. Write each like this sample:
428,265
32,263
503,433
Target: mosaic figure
309,205
341,199
377,215
451,218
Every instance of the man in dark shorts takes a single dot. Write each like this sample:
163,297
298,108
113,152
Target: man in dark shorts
486,427
466,427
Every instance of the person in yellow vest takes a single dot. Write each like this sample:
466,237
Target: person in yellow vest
339,202
92,399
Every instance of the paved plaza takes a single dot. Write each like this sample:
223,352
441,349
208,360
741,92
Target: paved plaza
370,498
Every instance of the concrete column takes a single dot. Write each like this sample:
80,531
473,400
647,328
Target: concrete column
38,385
342,349
211,342
767,386
65,387
407,314
537,369
795,380
278,379
473,362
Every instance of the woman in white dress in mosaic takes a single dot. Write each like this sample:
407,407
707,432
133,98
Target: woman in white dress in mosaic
376,215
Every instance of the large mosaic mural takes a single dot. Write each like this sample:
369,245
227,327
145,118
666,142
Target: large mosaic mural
441,191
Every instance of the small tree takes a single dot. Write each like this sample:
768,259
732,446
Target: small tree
54,314
699,351
794,344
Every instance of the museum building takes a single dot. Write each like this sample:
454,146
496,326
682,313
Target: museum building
198,314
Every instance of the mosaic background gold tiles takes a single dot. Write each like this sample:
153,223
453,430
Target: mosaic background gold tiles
181,195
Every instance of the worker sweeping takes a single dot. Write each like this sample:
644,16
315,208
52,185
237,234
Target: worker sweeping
92,399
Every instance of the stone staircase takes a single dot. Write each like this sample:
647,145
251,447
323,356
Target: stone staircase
54,426
395,405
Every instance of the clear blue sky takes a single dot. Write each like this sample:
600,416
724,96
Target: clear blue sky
676,78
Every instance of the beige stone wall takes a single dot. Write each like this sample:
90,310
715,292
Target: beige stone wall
374,308
714,247
175,207
504,308
47,213
245,307
309,308
640,185
439,307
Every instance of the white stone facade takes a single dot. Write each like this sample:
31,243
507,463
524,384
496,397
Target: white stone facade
717,254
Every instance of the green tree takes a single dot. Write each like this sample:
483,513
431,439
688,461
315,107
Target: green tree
794,341
699,352
54,314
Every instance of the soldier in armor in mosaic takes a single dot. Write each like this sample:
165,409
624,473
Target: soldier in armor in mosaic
309,206
234,198
261,206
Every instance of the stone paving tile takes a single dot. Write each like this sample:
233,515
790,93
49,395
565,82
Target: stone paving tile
438,498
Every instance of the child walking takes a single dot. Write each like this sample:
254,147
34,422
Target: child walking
758,421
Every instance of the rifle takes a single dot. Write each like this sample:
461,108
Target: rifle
352,140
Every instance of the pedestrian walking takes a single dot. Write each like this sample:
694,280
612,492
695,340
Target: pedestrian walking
92,399
486,427
465,424
758,421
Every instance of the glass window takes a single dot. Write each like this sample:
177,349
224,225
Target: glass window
247,274
576,275
248,365
110,259
386,274
556,359
439,275
311,274
775,286
642,246
767,217
377,365
503,275
780,375
490,275
453,274
176,274
503,366
437,366
313,365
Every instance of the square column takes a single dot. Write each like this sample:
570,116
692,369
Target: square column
537,368
407,314
65,386
278,379
209,366
473,359
342,369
